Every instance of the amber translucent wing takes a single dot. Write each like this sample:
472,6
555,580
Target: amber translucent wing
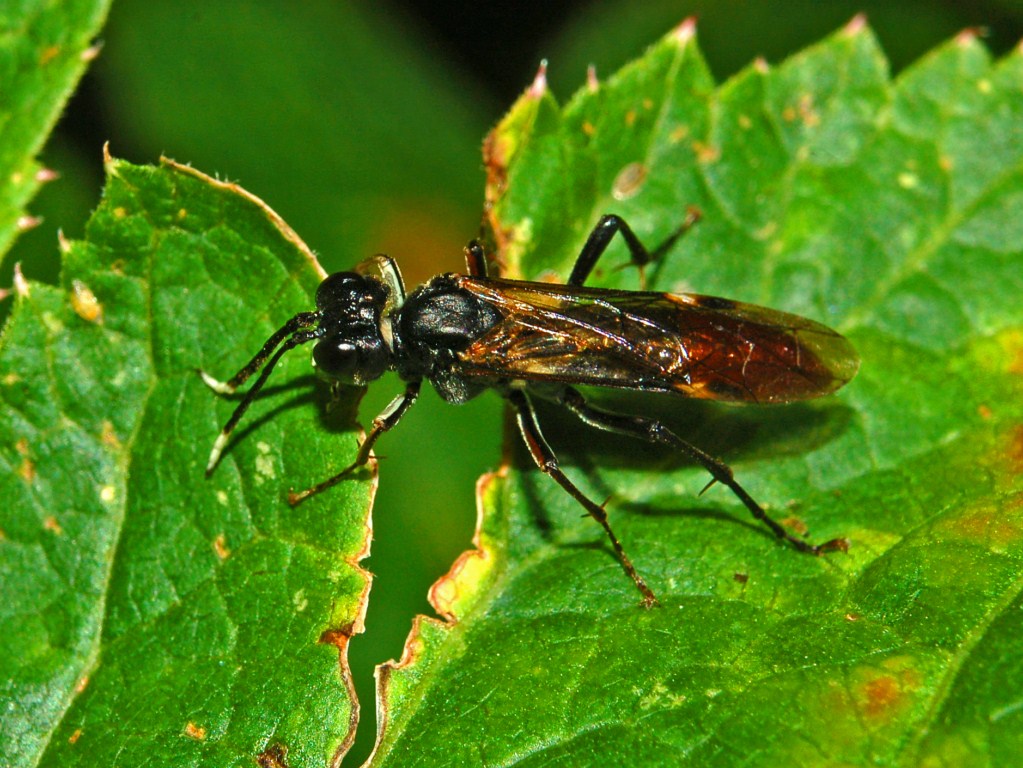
697,346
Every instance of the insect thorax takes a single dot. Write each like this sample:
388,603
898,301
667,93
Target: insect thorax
436,322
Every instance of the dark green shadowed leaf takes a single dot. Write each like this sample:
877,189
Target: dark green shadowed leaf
155,617
886,209
44,49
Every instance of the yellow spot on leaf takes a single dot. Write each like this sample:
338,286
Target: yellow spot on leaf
53,325
48,54
884,693
220,547
264,464
661,697
85,303
629,181
108,437
908,180
794,524
706,153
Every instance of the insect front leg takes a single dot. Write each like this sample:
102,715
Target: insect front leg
387,419
654,431
547,461
601,236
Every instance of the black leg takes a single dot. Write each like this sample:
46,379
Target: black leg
547,461
606,229
390,416
300,337
476,259
655,432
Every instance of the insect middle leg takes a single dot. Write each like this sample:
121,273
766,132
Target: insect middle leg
608,226
387,419
654,431
547,461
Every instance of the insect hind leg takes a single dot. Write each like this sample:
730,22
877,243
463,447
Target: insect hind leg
602,234
547,461
654,431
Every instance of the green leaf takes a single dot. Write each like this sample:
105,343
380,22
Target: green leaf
887,209
44,49
154,617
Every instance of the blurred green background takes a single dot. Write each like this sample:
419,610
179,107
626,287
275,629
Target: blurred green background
361,124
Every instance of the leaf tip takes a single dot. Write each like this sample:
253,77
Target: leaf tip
855,25
969,35
92,52
538,87
20,283
62,242
27,221
109,162
685,31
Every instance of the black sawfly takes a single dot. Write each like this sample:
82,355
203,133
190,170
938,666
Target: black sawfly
468,333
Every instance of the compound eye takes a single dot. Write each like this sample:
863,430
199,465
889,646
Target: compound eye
337,359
